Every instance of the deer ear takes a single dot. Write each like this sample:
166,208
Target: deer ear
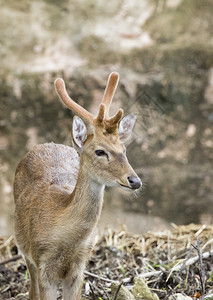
125,126
79,132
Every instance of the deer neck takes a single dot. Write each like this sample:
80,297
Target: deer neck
88,195
85,203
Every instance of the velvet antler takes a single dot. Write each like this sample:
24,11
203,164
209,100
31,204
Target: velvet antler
110,91
103,115
75,107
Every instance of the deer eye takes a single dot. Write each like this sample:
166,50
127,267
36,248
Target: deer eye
100,153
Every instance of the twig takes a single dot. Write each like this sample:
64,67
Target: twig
98,290
174,268
105,292
117,291
158,290
101,278
185,263
13,258
187,277
91,288
149,274
193,260
202,272
207,243
7,242
199,231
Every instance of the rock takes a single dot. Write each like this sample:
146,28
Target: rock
124,293
208,297
179,296
141,290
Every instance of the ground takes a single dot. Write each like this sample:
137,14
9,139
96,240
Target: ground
163,259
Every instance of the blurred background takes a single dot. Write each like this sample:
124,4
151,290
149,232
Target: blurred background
163,50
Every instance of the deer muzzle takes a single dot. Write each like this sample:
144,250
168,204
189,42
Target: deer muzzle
131,182
134,182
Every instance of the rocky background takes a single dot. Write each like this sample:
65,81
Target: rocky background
163,50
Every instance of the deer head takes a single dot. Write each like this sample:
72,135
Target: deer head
100,139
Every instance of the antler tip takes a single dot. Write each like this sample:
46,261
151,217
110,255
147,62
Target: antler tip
58,82
115,75
121,112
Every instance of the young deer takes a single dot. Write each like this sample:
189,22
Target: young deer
59,196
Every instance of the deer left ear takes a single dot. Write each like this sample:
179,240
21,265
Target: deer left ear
79,132
126,126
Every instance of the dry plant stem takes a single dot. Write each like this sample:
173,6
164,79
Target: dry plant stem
178,267
7,242
118,289
158,290
149,274
99,277
207,243
105,292
98,290
202,271
14,258
93,294
187,277
193,260
189,262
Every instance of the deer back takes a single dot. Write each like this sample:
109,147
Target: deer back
48,165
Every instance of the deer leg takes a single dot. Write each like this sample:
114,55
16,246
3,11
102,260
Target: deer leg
72,286
34,289
47,290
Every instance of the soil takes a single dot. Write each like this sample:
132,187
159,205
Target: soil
120,257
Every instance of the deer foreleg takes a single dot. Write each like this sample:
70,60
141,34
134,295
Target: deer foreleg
72,286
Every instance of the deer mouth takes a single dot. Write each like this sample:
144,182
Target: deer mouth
125,187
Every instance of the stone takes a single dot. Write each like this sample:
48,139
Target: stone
179,296
142,291
123,294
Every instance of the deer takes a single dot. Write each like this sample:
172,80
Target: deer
58,193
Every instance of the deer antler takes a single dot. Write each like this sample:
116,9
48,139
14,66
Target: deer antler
110,90
103,114
75,107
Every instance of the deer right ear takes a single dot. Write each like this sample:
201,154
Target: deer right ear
79,132
126,126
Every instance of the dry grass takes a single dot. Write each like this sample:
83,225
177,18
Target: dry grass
167,260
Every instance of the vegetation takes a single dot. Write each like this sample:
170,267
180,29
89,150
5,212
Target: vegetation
168,262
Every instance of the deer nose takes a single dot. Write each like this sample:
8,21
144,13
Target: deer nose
134,182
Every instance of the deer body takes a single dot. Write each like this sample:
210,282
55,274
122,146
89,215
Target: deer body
59,197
